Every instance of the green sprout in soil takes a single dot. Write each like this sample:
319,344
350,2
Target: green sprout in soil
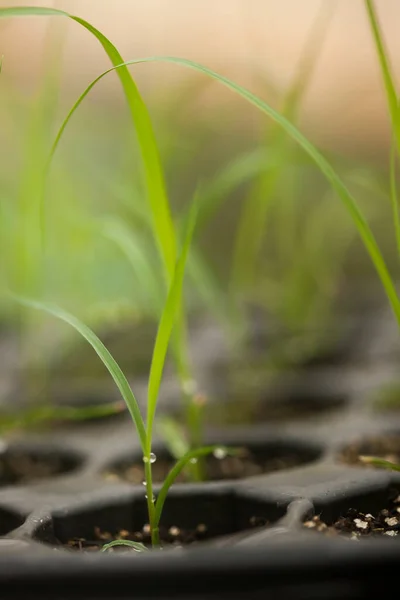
172,325
145,428
164,231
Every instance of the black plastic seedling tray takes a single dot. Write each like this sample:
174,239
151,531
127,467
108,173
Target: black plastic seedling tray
256,544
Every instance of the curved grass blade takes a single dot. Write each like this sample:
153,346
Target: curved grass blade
155,186
107,359
154,179
324,166
386,69
393,194
137,546
178,468
165,327
393,106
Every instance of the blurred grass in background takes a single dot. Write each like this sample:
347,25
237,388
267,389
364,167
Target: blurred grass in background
273,240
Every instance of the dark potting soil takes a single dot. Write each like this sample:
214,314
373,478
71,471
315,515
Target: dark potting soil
239,466
24,467
355,524
242,411
256,400
169,537
386,447
174,536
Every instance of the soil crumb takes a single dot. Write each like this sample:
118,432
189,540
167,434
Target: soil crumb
355,524
169,537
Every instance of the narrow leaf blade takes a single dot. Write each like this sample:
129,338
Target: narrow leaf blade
136,546
105,356
155,185
324,166
178,468
166,323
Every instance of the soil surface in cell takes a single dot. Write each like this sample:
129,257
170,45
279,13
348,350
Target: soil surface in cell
25,467
299,405
212,468
169,537
355,524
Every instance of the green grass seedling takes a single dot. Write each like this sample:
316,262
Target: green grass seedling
155,185
144,427
166,230
162,225
166,237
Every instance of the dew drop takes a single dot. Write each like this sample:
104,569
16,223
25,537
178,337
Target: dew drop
193,461
145,459
153,498
153,457
220,453
144,483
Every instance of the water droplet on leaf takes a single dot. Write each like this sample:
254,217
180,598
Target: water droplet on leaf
150,459
220,453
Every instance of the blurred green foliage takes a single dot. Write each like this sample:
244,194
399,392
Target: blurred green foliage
271,235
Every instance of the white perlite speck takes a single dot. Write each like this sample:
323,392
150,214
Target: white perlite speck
391,521
361,524
391,533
